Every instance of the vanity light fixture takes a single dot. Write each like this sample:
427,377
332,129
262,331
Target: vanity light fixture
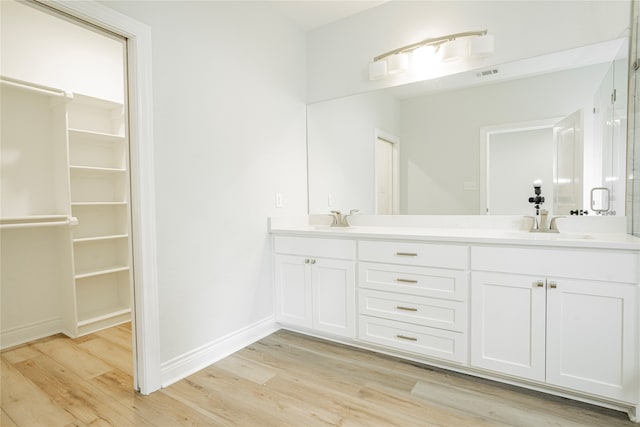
481,46
455,50
377,70
397,63
454,46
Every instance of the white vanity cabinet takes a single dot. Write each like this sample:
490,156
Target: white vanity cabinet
315,284
413,297
561,316
569,320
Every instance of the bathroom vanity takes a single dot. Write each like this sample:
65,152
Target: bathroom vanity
555,312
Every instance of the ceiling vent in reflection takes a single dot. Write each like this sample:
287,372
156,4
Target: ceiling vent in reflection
489,72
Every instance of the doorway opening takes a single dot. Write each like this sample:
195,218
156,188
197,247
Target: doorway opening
386,175
66,217
514,156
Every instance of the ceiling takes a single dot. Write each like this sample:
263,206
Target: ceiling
312,14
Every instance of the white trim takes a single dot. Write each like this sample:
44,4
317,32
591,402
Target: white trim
138,35
485,136
195,360
32,331
395,141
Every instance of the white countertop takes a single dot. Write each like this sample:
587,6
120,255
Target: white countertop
603,237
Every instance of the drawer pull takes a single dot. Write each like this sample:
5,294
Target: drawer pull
406,280
399,307
406,254
553,285
404,337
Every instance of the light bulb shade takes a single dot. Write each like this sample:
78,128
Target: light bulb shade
455,49
423,57
397,63
481,46
377,70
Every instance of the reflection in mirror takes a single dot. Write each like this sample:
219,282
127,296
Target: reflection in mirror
473,143
505,189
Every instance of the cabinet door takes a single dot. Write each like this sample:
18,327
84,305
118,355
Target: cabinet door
508,324
334,300
293,290
591,337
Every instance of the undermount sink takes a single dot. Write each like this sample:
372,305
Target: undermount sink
547,236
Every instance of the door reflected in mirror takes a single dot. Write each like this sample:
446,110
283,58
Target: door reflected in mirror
387,177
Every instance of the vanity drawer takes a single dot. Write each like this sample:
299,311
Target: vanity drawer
593,264
419,254
443,314
428,282
311,246
432,342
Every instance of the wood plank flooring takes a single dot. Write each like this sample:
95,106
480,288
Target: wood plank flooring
285,379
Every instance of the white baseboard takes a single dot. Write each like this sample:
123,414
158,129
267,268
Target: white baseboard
184,365
32,331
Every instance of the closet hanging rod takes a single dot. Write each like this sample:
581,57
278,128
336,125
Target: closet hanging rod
35,224
34,87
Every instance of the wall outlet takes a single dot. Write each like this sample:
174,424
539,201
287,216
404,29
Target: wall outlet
330,200
278,200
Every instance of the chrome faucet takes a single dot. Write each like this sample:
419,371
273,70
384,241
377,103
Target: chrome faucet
340,219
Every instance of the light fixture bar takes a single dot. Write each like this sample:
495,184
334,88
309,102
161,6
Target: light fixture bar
437,41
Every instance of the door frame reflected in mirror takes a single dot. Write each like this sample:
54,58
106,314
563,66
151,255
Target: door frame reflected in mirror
387,189
486,133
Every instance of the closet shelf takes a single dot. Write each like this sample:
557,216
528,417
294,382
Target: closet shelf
38,221
102,272
97,316
94,169
35,88
91,136
100,238
97,203
32,218
91,101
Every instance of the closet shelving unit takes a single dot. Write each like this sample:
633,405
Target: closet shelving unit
35,215
64,213
99,199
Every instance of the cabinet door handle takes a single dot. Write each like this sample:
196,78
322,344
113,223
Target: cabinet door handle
406,254
539,284
406,280
307,260
553,285
313,261
400,307
404,337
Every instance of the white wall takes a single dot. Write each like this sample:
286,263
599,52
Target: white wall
341,150
229,112
339,54
440,133
76,59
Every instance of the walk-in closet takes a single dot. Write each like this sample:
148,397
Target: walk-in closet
66,264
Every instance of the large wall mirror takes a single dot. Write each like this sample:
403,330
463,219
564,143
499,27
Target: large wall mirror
474,142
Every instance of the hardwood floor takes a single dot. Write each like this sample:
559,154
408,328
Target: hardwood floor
285,379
